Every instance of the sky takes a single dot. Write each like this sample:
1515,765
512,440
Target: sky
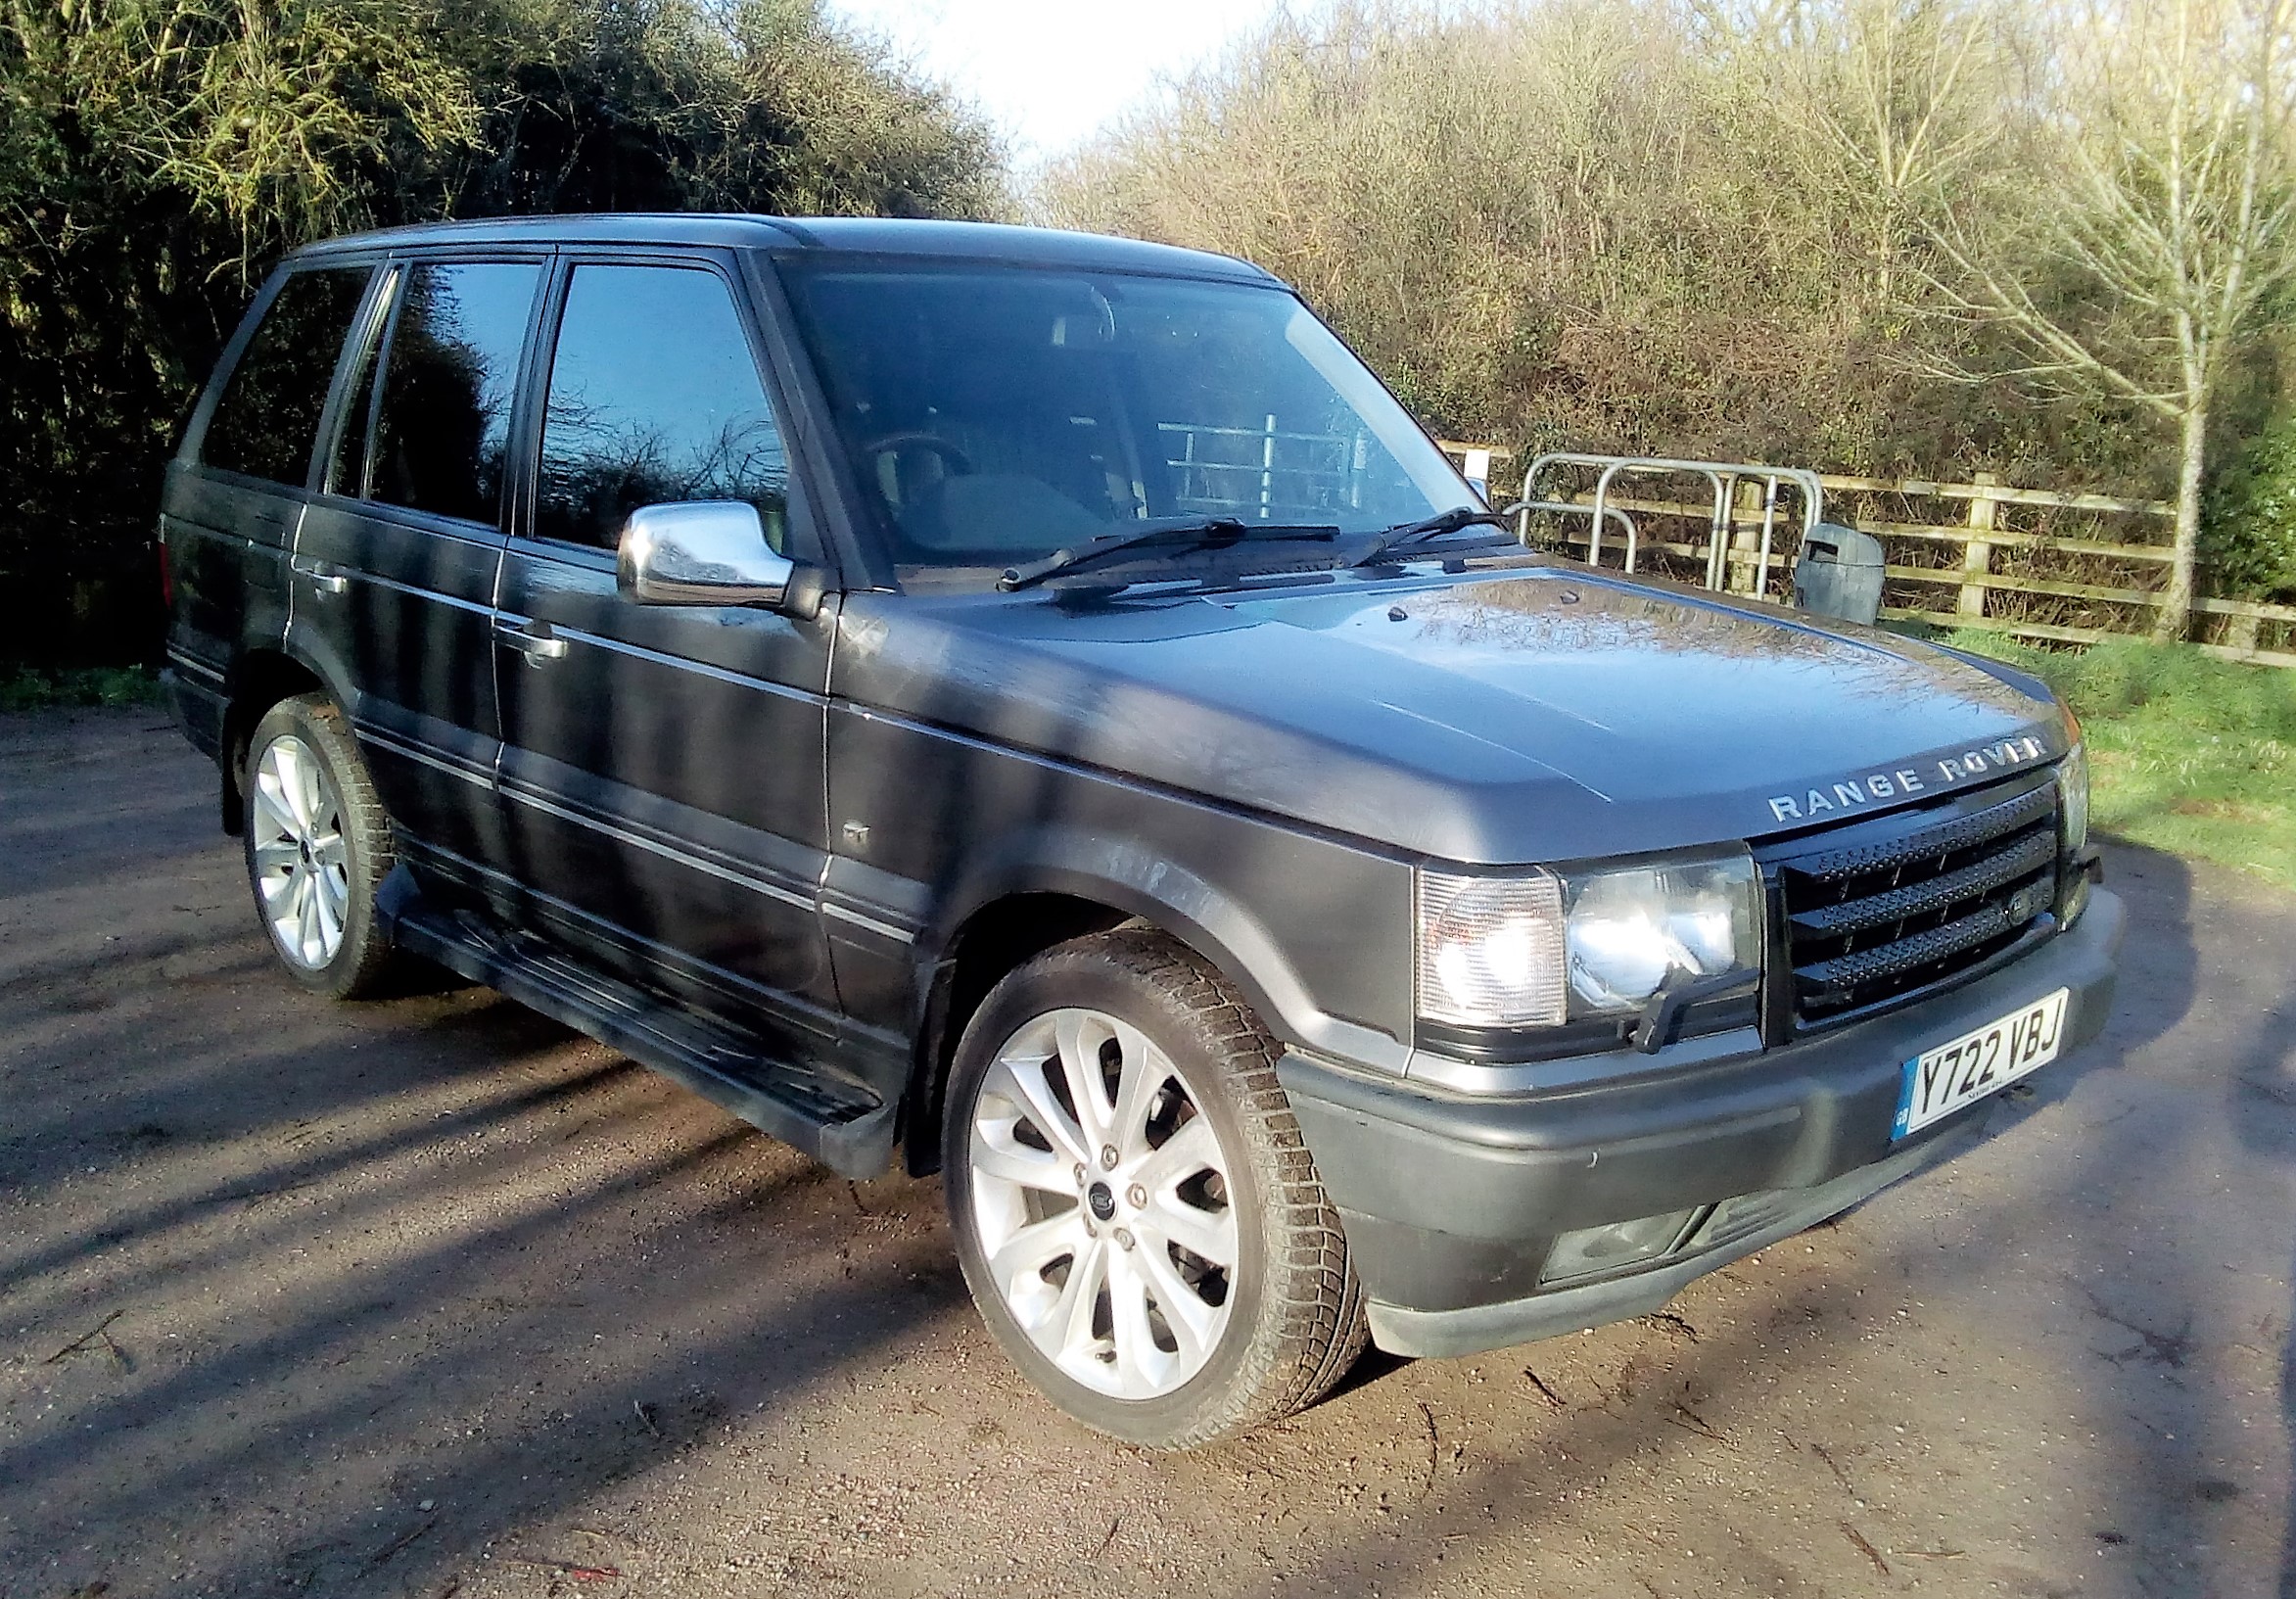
1050,73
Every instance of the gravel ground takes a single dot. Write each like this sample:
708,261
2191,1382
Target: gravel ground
431,1297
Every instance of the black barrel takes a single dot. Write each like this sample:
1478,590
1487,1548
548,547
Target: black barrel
1839,574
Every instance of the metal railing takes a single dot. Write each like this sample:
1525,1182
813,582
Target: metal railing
1525,508
1263,469
1724,476
2077,586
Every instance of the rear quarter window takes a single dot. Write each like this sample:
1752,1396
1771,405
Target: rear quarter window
267,417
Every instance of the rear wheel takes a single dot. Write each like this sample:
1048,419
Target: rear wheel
1138,1219
319,846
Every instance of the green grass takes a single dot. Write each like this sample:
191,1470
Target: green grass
2189,754
39,688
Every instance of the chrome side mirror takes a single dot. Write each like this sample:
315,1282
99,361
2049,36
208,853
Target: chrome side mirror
704,552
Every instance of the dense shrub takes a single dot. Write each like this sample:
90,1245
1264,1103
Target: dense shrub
2252,514
155,153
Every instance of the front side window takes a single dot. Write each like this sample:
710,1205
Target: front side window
441,431
996,414
268,414
654,398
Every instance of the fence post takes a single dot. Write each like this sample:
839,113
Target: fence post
1977,557
1743,503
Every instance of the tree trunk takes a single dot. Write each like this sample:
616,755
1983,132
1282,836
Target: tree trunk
2176,611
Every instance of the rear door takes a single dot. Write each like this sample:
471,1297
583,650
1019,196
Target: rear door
662,766
233,501
396,566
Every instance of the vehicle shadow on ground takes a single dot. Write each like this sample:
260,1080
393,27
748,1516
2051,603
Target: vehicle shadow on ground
228,1369
252,1244
2260,1103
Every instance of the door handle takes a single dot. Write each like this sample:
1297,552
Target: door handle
325,578
536,646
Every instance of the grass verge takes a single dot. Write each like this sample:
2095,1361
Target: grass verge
41,688
2189,754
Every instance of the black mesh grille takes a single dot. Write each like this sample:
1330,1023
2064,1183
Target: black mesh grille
1881,909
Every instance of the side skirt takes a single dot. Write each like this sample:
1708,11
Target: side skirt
835,1120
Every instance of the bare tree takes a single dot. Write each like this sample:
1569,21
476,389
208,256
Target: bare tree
1894,100
2163,222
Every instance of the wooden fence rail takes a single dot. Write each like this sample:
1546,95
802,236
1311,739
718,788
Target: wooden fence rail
2063,578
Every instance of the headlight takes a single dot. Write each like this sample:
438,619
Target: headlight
2072,795
1630,930
1539,948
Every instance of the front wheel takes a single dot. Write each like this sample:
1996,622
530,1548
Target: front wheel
318,847
1138,1219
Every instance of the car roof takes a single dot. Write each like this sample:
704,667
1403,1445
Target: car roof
802,235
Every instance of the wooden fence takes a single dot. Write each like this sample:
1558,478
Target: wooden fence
2028,562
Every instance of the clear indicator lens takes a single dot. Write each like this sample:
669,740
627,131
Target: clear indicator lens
1490,950
1537,947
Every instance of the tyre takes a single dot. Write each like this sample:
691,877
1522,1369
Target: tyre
1138,1219
319,846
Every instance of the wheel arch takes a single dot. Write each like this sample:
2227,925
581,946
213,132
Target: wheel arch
262,678
1017,908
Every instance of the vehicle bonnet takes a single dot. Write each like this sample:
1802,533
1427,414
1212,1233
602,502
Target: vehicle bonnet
1544,715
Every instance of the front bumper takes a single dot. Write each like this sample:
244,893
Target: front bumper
1453,1201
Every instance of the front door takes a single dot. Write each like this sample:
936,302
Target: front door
662,769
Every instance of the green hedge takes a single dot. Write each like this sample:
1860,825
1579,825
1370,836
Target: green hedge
156,156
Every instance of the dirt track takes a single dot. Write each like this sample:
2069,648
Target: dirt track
433,1298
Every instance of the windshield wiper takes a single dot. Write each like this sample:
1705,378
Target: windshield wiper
1179,534
1432,527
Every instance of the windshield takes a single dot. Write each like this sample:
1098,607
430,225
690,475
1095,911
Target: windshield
999,413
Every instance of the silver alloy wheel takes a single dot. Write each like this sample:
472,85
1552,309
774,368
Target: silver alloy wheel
1101,1204
302,867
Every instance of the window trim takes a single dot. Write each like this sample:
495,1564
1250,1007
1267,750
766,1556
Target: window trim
843,536
371,327
804,535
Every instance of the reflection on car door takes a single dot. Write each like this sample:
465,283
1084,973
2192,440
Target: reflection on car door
396,563
661,774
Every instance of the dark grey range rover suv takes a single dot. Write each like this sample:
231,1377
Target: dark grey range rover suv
1035,703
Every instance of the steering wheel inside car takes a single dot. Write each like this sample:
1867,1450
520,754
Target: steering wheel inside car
957,461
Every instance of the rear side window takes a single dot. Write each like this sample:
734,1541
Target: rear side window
441,431
654,397
268,415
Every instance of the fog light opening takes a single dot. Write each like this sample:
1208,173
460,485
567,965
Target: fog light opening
1592,1250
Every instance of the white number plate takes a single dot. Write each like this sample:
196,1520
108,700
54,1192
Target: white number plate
1943,1080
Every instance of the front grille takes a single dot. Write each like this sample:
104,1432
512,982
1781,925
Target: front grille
1875,911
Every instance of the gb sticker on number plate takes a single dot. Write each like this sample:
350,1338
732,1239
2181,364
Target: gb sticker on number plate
1940,1081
